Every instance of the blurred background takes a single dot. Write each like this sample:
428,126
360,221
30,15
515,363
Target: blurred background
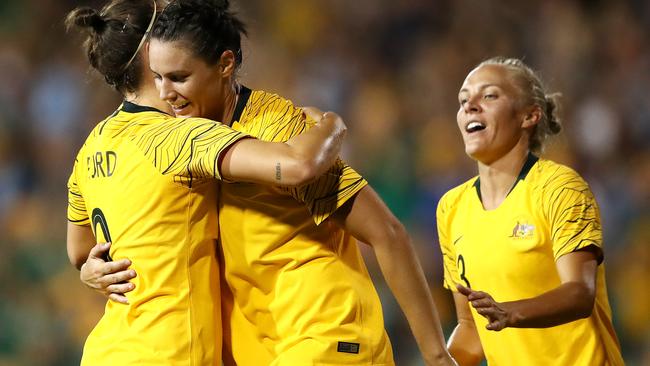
392,69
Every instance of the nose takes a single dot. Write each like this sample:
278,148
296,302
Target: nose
471,105
166,91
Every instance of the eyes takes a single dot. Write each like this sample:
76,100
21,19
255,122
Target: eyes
485,96
174,78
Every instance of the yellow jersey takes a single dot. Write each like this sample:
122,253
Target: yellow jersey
510,253
145,181
300,291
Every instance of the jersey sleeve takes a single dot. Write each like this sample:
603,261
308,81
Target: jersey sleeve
450,277
187,148
330,191
574,217
77,213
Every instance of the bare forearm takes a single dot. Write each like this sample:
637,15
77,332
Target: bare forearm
566,303
465,345
294,163
404,276
368,219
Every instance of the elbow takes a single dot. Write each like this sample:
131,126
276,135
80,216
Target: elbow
77,259
300,172
77,262
584,299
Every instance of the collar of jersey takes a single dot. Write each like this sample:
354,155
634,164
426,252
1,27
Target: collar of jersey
135,108
530,161
244,94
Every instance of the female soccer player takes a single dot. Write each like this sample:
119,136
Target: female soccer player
144,180
522,242
300,292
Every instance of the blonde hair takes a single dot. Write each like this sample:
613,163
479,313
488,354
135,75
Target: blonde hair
534,93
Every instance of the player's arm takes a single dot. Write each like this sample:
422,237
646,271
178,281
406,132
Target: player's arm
107,278
368,219
464,343
572,300
293,163
80,239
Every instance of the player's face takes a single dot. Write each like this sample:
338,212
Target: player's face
191,86
489,118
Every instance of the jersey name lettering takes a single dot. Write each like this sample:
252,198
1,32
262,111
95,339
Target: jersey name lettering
101,164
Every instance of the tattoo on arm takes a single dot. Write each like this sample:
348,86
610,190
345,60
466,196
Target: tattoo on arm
278,172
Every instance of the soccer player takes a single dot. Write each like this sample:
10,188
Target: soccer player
522,242
299,285
145,181
296,288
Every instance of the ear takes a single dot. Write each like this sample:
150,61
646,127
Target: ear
227,63
532,117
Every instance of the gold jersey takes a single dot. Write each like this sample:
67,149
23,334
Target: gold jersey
145,181
510,253
300,291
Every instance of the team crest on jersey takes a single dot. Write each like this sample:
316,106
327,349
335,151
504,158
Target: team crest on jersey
523,230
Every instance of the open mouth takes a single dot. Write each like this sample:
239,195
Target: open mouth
474,126
178,107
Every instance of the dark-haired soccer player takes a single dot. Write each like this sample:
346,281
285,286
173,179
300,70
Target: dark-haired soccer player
145,181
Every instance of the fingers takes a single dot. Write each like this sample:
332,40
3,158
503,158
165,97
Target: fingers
116,278
120,288
464,290
482,302
99,250
313,113
120,298
107,268
479,295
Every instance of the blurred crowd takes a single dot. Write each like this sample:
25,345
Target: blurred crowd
392,69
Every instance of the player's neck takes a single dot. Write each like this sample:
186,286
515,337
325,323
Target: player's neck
499,177
230,103
148,97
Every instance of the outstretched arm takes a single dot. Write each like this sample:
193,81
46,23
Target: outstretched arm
296,162
368,219
572,300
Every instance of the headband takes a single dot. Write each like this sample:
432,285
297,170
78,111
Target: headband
144,37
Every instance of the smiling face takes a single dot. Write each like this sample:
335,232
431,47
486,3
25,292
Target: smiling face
190,85
491,118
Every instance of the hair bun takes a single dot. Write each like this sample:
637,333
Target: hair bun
89,17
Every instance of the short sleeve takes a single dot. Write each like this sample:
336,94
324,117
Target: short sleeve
451,277
330,191
573,214
77,213
187,148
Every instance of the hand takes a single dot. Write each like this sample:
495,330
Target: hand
313,113
496,313
318,116
107,278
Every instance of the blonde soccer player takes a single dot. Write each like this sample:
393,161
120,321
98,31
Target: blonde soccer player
522,241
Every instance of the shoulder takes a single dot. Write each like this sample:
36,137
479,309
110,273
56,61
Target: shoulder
263,102
456,194
549,176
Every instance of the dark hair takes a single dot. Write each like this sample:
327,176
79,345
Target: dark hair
534,93
208,27
113,37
